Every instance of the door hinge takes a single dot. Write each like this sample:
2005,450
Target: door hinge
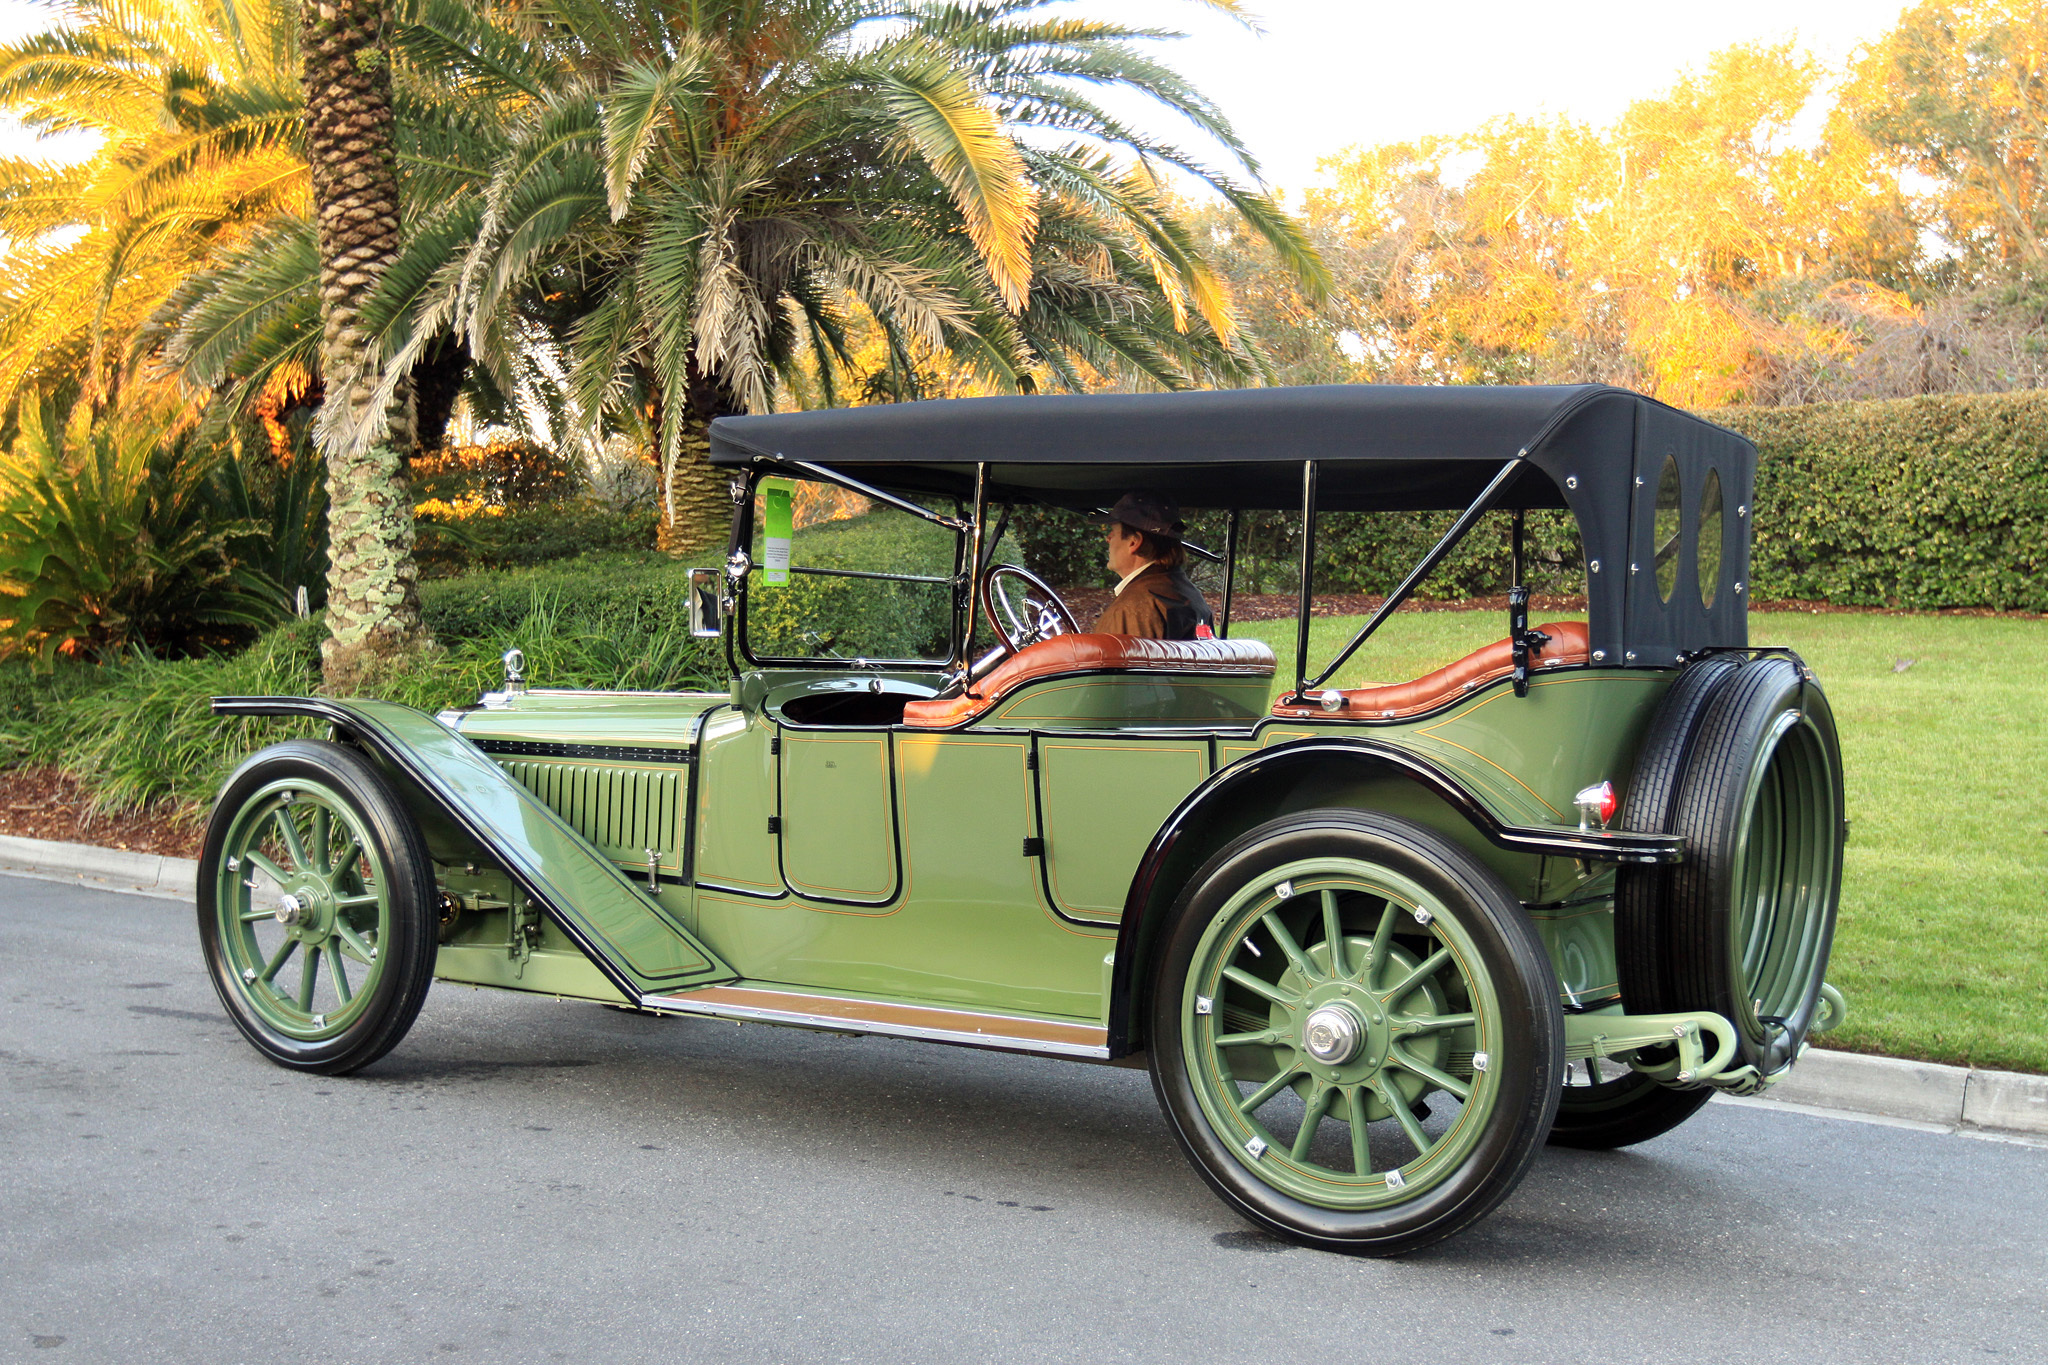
775,824
1031,761
775,744
1034,847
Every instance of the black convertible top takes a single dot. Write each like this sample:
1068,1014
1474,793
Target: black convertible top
1604,453
1377,446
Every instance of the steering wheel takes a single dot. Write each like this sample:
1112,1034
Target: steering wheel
1031,613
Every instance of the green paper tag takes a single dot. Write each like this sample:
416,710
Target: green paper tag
777,496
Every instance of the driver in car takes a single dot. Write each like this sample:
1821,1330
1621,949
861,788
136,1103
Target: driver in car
1154,596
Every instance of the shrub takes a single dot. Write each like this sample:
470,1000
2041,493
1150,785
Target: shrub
121,536
1916,502
452,542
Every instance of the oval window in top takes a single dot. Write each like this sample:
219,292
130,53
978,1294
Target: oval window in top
1669,519
1708,556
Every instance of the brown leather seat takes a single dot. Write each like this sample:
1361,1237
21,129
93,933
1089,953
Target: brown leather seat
1069,654
1568,645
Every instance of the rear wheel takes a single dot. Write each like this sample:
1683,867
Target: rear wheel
1607,1104
1354,1032
316,908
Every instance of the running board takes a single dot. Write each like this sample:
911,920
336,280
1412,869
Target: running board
930,1023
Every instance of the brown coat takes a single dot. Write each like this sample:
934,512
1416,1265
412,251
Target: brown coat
1159,604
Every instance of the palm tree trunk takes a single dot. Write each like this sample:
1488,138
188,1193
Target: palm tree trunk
373,609
697,513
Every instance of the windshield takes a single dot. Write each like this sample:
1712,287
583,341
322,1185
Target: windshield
851,579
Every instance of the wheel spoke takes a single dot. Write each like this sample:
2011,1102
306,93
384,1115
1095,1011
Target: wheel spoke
1390,1095
353,942
320,822
1333,934
1381,938
351,902
1312,1119
1268,1090
1265,1039
1288,947
344,857
289,827
1442,1080
309,977
340,976
1434,1023
266,867
1258,987
1361,1147
276,963
1428,967
251,916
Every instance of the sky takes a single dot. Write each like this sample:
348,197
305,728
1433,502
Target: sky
1324,74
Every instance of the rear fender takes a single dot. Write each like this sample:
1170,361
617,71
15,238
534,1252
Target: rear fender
1356,774
466,799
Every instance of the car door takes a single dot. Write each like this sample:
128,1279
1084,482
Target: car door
838,821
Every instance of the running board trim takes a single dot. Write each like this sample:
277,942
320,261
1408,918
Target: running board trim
930,1023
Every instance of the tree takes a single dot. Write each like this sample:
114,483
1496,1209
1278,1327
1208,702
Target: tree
195,111
696,202
373,613
1958,93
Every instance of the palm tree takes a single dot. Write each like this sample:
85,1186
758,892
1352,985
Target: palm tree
373,610
194,107
692,198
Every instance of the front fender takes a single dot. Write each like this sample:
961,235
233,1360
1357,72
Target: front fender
629,935
1240,796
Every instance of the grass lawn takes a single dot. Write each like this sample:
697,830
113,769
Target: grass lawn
1943,944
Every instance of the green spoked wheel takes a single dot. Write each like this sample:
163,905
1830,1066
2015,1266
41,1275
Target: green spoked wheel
315,907
1354,1032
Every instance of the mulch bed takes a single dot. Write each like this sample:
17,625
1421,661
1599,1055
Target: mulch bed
42,803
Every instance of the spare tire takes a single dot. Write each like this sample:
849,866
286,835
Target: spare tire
1642,892
1749,917
1753,905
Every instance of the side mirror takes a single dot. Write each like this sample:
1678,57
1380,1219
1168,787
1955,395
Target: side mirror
706,622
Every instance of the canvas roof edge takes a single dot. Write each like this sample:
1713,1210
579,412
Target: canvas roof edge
932,445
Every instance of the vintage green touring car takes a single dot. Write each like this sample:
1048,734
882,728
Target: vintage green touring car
1375,945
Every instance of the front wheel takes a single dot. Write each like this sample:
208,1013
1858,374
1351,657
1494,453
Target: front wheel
1354,1032
316,908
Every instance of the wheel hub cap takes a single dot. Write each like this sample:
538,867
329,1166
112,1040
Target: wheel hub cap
1332,1034
290,909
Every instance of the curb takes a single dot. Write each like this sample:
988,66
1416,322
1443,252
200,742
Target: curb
1847,1082
110,869
1923,1092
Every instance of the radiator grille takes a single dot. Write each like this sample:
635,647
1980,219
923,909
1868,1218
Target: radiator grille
623,810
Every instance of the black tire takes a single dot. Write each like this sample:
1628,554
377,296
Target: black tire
1622,1110
345,803
1753,906
1630,1108
1493,962
1642,894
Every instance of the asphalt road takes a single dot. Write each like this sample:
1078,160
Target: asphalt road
529,1180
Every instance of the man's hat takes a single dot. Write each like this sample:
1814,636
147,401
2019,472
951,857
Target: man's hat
1145,512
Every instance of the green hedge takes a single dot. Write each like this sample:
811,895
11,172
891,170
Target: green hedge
520,537
1918,502
1915,502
